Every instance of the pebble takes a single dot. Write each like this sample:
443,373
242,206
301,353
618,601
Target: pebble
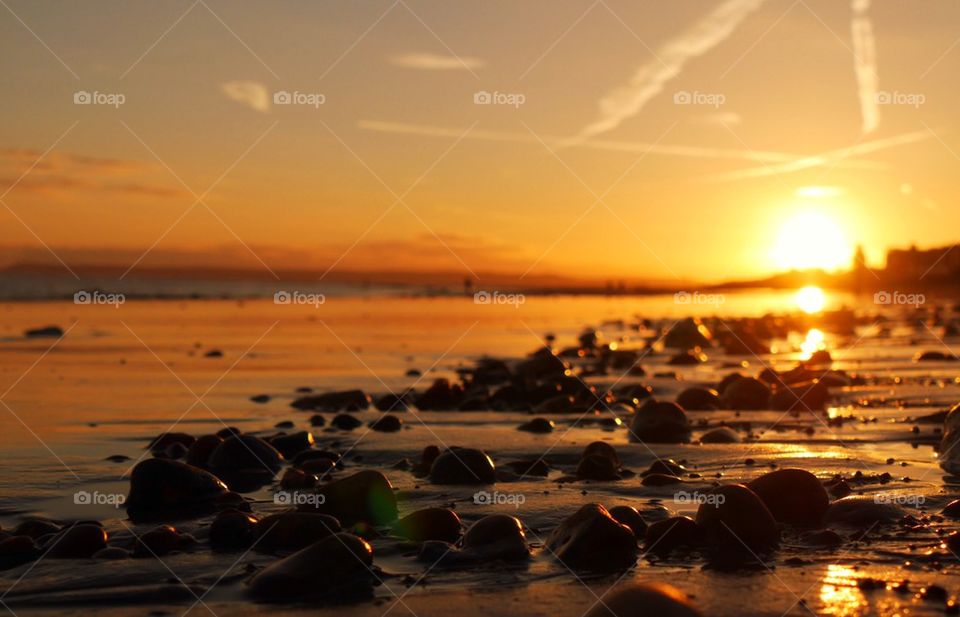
429,524
245,454
162,540
631,517
232,530
292,531
199,452
291,445
348,400
688,333
496,536
793,496
660,422
345,422
458,465
386,424
537,425
366,496
644,599
591,539
672,533
699,399
737,521
745,393
160,484
78,541
395,403
337,567
862,510
721,434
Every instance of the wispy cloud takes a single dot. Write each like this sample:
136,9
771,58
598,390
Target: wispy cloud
834,158
756,156
865,65
253,94
435,62
628,100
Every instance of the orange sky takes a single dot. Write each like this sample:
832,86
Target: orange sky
640,140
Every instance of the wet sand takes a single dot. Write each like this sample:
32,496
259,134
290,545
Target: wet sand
122,376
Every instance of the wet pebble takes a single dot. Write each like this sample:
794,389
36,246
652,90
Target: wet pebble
643,599
387,424
458,465
337,567
245,454
591,539
660,422
672,533
631,517
232,530
366,496
734,518
721,434
862,510
291,445
698,399
793,496
745,393
429,524
345,422
78,541
292,531
162,540
158,485
348,400
537,425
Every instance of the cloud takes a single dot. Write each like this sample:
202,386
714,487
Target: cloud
757,156
832,158
671,58
865,65
253,94
434,62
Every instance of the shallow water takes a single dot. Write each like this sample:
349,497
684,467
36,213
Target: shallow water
123,375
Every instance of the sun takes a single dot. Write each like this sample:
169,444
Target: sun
811,239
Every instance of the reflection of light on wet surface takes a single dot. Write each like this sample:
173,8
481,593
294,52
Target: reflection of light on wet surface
811,299
839,592
812,343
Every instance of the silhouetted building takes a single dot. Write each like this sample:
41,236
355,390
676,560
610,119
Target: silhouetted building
912,263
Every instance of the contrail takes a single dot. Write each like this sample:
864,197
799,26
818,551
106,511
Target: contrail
865,65
834,157
649,81
756,156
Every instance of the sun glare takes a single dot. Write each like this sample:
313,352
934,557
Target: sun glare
811,239
811,299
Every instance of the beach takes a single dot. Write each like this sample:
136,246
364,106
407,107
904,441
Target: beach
122,375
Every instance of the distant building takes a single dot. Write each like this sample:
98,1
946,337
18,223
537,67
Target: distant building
915,264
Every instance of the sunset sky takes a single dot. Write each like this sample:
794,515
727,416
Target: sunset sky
650,140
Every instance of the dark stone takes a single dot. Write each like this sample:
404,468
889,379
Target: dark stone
199,452
497,536
793,496
395,402
862,511
317,420
721,434
745,393
737,523
698,399
660,422
44,332
345,422
462,466
158,485
291,445
644,599
292,531
537,425
365,496
386,424
429,524
232,530
260,398
337,567
687,334
349,400
440,396
660,479
245,454
591,539
629,516
162,540
79,541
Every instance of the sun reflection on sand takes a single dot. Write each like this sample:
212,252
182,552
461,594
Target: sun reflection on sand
813,342
839,592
